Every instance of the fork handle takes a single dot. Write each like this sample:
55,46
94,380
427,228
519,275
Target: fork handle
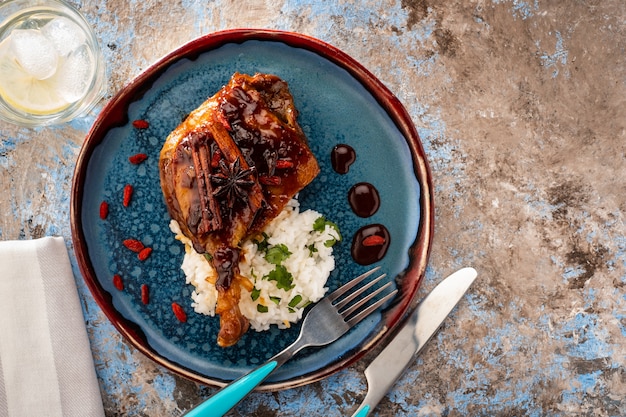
229,396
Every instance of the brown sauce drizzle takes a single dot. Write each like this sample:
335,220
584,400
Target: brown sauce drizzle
341,157
364,199
226,263
367,254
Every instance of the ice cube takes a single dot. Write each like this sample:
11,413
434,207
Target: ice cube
66,35
75,73
35,53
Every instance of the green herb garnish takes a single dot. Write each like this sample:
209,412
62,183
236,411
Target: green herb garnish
255,294
261,308
295,301
330,242
277,254
319,225
262,244
276,300
283,278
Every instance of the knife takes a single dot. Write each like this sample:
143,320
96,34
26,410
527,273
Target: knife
383,372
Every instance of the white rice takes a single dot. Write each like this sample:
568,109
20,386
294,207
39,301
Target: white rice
310,263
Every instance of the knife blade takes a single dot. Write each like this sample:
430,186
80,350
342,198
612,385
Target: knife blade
383,372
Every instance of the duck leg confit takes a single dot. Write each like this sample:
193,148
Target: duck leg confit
227,171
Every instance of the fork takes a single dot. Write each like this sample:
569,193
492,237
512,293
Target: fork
331,317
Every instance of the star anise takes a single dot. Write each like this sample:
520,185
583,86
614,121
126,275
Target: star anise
232,181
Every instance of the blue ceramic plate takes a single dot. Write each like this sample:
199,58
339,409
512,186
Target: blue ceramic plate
340,102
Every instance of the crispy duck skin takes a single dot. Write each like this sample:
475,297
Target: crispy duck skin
228,170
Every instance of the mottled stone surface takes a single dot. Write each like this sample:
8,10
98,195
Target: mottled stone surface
521,106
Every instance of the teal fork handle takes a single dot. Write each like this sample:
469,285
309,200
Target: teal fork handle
229,396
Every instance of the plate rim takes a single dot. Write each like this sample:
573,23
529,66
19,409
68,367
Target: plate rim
410,279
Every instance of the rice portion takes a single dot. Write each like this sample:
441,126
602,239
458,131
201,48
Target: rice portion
288,265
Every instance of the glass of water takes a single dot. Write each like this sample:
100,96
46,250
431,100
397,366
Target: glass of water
51,67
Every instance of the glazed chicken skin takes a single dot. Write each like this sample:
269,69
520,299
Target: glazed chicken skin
227,171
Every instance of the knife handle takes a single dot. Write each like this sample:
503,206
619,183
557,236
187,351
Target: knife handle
422,324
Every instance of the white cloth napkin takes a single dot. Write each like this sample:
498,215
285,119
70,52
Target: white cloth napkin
46,367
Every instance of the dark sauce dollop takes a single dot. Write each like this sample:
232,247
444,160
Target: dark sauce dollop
341,157
370,243
365,253
364,199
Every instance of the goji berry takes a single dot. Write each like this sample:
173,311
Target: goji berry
215,160
141,124
128,194
104,210
373,240
144,254
179,312
145,294
134,245
137,158
284,164
222,119
118,282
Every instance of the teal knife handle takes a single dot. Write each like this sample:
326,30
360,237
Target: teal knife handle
229,396
363,410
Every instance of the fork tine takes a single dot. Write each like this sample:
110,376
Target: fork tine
354,294
366,312
356,306
349,285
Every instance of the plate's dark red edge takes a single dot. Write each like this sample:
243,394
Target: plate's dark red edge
115,114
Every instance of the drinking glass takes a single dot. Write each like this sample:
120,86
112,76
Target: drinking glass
51,66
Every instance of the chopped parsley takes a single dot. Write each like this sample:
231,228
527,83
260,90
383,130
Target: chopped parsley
255,294
330,242
277,254
262,244
261,308
283,278
275,300
295,301
319,225
292,308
